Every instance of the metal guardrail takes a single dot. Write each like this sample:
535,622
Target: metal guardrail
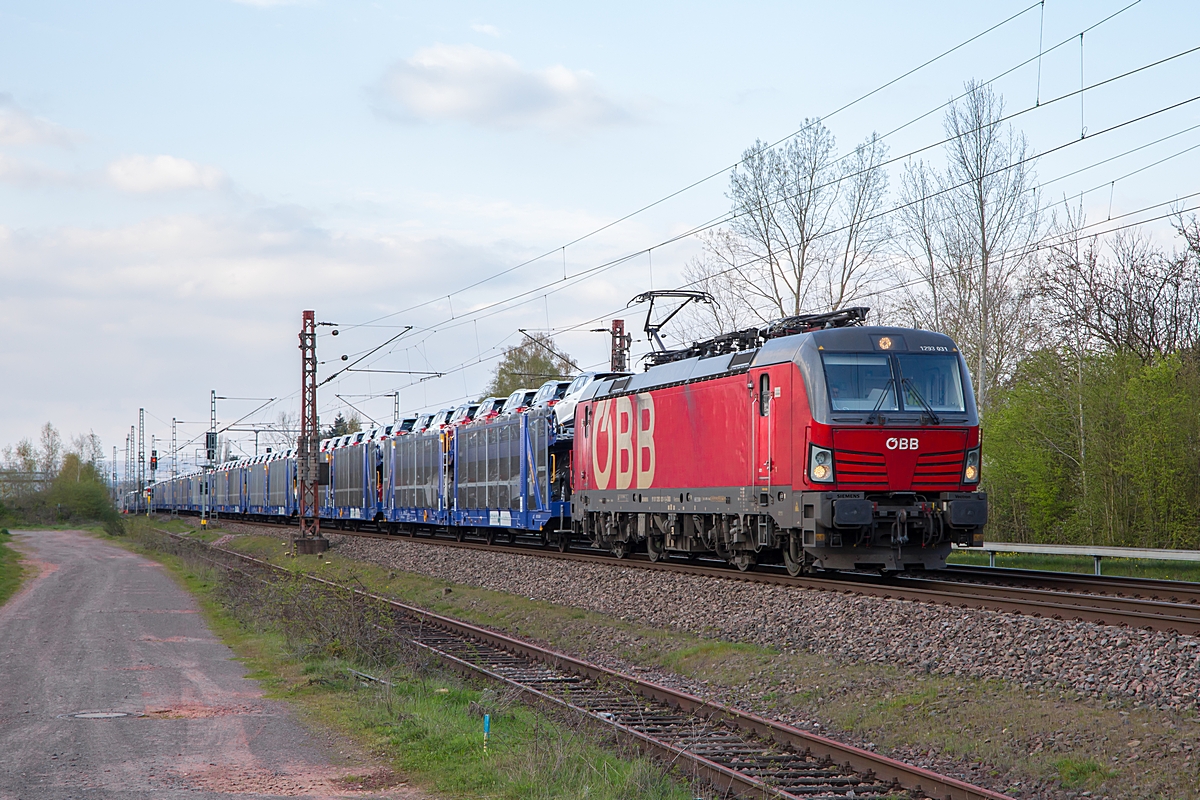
1096,553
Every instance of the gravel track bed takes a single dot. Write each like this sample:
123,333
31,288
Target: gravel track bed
1153,668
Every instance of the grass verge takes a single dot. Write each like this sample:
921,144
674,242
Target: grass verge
11,571
427,724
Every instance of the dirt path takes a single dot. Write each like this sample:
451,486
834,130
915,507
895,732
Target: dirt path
106,631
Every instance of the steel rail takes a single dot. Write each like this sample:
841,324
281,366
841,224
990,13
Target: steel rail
1118,585
1089,606
1086,606
735,751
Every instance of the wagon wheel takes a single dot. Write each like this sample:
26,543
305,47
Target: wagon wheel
460,533
490,536
564,541
655,547
743,560
619,549
512,537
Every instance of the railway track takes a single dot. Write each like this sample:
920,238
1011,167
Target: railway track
1114,585
737,753
1170,606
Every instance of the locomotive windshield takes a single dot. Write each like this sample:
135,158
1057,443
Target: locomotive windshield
867,381
860,381
933,378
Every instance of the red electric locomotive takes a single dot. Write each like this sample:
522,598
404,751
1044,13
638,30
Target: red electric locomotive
817,441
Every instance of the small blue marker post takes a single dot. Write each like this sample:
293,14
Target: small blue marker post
487,728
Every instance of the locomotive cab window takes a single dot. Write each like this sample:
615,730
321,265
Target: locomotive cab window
764,395
932,378
860,381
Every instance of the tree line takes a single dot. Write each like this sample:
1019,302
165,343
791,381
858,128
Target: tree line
45,481
1084,349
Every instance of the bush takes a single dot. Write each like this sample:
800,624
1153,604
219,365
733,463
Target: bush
78,494
1096,450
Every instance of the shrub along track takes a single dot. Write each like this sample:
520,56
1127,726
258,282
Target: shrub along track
737,753
1169,606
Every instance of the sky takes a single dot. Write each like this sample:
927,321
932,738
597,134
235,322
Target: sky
179,181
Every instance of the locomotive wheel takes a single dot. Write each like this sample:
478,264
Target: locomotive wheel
512,537
743,561
655,548
564,542
490,536
619,549
460,533
793,562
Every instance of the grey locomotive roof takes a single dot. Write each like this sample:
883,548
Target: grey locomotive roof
776,351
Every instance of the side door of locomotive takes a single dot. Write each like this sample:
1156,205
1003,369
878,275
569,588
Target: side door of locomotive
770,391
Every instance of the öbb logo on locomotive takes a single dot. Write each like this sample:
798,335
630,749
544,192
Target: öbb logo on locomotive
895,443
624,449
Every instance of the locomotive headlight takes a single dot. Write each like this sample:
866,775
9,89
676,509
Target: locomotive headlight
820,464
971,467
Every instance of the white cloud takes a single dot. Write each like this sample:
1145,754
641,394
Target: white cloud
222,295
162,173
18,126
488,30
466,83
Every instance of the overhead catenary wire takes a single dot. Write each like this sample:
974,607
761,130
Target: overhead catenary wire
580,277
558,284
551,288
727,217
774,144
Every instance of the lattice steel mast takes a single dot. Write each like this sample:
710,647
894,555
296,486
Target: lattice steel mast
307,455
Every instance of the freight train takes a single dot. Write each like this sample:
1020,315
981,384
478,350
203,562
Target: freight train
818,442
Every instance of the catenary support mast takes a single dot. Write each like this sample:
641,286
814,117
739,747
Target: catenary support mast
307,456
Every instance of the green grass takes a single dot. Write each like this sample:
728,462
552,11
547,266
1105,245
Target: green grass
11,571
429,727
1075,773
1130,567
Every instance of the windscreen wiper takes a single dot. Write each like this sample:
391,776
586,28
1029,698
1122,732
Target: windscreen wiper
879,404
934,418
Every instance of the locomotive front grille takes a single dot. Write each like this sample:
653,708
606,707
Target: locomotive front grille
938,470
866,469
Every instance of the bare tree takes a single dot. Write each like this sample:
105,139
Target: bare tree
806,231
88,447
737,306
1124,294
968,235
1188,229
863,227
50,451
283,431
